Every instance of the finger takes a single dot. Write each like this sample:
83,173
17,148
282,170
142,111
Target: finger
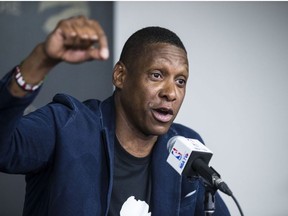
68,33
84,34
82,39
88,32
94,53
79,33
71,36
104,51
102,40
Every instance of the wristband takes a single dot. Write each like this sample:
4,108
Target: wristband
22,83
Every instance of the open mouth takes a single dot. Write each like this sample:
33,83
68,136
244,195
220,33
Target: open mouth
163,114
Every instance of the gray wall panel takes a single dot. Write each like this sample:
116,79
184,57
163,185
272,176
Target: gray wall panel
23,25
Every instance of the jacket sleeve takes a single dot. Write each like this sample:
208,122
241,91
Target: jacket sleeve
26,142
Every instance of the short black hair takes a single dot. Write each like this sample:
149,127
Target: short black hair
146,36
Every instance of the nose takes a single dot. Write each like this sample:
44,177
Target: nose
168,91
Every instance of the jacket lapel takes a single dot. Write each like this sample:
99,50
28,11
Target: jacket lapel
166,182
107,116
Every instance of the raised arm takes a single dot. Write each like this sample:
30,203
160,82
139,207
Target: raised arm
74,40
32,137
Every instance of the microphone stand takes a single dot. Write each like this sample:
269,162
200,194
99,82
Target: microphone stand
209,200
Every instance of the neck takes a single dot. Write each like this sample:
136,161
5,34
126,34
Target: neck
136,146
130,138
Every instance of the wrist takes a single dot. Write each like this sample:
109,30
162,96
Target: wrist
37,65
41,60
21,82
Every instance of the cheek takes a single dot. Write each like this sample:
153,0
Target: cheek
181,97
180,100
145,92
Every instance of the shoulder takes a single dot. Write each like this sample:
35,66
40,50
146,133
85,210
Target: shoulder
73,103
65,109
182,130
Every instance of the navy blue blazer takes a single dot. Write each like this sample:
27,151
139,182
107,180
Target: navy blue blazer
65,149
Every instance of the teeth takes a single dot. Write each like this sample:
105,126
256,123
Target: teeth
165,111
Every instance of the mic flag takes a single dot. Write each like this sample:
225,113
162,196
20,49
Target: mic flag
184,151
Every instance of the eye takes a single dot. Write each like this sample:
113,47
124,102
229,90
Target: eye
156,75
181,82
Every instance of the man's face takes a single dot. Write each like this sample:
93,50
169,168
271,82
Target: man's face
154,88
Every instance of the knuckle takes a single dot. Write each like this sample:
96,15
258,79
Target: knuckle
62,22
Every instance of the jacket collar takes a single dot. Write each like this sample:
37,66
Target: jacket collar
107,114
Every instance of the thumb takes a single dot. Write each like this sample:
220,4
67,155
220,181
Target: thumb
96,53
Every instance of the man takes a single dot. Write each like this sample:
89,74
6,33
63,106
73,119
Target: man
101,158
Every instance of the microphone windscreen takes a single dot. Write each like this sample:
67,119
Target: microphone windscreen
171,142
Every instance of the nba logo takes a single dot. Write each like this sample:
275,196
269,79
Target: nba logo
177,154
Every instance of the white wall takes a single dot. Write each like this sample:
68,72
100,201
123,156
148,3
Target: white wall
237,94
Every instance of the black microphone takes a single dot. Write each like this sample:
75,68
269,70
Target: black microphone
191,158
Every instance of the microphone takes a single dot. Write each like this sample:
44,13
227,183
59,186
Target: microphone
191,158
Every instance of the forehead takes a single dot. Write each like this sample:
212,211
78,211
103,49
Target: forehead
164,53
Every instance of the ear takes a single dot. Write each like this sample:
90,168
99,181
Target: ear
119,74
